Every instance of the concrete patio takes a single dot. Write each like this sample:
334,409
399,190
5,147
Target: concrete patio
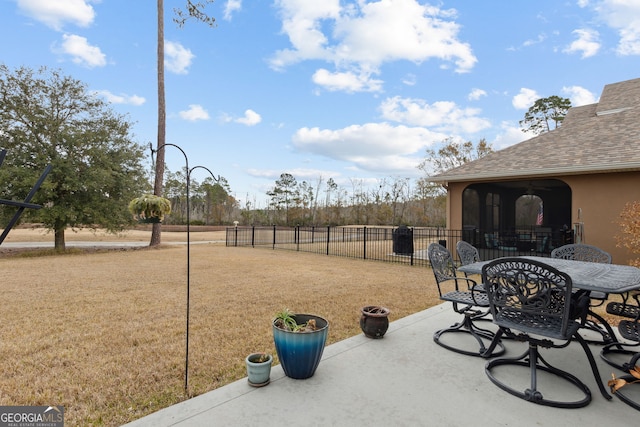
404,379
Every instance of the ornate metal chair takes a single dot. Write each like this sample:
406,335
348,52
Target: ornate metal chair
581,252
467,253
629,329
466,299
531,302
589,253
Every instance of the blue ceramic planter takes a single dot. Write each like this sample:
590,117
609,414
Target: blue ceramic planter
300,352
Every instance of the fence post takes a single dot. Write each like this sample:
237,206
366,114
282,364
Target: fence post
297,237
413,245
328,237
235,243
364,243
274,237
253,236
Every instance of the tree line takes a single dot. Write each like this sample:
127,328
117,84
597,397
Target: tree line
392,201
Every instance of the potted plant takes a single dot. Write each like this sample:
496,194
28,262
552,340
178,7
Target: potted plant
299,340
149,208
374,321
258,369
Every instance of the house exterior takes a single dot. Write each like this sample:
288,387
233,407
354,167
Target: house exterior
580,175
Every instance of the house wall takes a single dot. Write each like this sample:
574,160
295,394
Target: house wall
454,204
601,198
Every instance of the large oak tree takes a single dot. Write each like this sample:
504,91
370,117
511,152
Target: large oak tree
49,118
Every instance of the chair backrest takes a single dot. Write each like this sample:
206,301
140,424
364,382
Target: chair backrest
530,293
467,253
442,264
581,252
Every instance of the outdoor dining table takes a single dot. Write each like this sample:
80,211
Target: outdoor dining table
588,276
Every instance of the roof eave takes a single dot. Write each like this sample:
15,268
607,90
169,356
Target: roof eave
523,173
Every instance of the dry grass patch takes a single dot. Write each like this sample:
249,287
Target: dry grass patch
104,334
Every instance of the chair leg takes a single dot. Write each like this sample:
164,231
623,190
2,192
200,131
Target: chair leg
534,361
621,349
602,327
594,367
482,336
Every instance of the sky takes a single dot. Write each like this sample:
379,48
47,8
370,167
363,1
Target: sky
356,91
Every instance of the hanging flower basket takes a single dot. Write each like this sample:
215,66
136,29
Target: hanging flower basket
149,208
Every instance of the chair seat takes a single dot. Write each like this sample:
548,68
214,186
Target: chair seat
629,330
535,323
624,310
467,297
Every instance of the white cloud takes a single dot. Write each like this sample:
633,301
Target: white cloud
177,58
230,7
55,13
623,16
476,94
443,116
251,118
122,98
301,22
410,79
510,135
579,95
298,173
81,51
194,113
537,40
372,146
525,99
587,43
346,81
357,38
630,40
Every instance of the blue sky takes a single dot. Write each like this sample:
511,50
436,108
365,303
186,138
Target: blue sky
350,90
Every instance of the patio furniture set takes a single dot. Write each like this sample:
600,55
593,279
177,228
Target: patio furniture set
544,303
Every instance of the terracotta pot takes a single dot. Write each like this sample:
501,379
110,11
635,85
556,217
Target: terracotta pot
374,321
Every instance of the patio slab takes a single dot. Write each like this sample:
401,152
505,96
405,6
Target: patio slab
404,379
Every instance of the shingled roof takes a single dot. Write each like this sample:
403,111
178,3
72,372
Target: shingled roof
595,138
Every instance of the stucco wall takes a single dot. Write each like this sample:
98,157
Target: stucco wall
601,197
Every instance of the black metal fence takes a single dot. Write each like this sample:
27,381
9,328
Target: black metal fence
404,245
